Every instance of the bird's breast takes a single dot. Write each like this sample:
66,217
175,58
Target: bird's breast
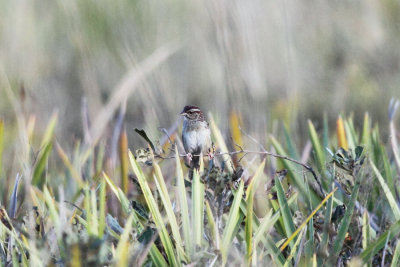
197,140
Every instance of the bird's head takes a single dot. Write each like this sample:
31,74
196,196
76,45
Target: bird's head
192,113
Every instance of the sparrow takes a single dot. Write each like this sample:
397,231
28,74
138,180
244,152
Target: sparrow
196,135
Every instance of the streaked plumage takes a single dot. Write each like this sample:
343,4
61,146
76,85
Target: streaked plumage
196,135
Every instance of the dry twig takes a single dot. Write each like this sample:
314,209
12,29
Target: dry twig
246,152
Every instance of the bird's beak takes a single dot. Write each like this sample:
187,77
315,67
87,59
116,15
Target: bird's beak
183,113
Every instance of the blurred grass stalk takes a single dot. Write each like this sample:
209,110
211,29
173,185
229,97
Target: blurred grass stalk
123,155
186,228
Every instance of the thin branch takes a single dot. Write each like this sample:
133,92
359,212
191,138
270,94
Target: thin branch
236,144
246,152
167,135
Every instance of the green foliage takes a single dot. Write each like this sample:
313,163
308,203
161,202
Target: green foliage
286,213
337,245
391,199
319,151
297,178
214,219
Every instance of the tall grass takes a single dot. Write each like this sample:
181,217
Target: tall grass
96,194
55,53
77,209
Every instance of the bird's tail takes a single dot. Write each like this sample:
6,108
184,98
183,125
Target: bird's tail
194,164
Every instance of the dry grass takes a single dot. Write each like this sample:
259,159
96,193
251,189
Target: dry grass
77,75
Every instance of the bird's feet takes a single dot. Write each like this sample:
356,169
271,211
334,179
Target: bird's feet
189,158
211,152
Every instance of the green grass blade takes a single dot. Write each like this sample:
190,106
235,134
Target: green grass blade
102,208
295,178
337,245
249,227
351,135
396,256
73,172
163,191
266,224
38,178
183,204
375,144
213,226
15,261
388,193
123,156
249,212
155,254
276,254
262,235
289,143
319,151
232,222
365,231
157,257
52,209
284,207
387,169
330,195
158,220
294,248
328,216
49,132
87,208
93,212
309,247
197,209
376,246
365,136
14,198
111,184
254,180
119,194
100,157
121,254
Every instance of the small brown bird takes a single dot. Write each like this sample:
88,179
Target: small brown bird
196,135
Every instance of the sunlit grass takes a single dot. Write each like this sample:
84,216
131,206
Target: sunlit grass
79,195
161,218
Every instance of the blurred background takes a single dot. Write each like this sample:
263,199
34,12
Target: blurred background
264,60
